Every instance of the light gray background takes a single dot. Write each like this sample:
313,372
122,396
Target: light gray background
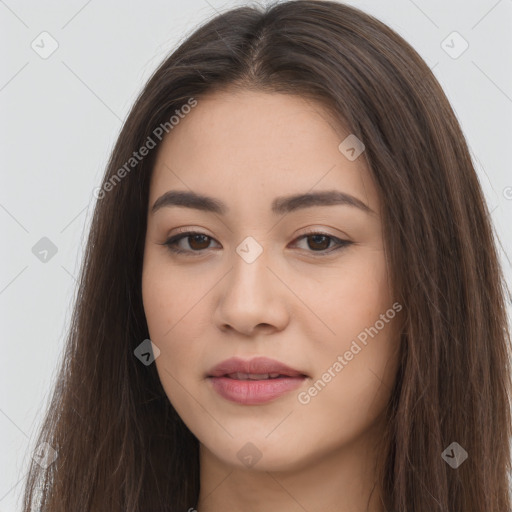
60,117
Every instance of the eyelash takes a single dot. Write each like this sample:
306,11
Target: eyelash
170,243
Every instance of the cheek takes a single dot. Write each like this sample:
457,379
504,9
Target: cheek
165,330
366,342
365,289
172,310
158,304
352,386
167,296
169,319
349,298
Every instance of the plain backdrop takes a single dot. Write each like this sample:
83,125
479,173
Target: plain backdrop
61,114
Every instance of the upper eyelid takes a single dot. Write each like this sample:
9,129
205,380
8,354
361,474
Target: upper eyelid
305,231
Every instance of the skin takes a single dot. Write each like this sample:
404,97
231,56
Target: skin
292,303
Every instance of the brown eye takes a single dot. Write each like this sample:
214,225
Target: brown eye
198,242
319,242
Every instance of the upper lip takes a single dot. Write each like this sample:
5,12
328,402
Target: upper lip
257,365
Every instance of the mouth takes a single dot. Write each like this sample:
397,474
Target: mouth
254,376
256,381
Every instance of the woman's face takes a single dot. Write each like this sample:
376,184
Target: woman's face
256,282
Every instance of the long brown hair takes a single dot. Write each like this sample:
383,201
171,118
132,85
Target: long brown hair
122,447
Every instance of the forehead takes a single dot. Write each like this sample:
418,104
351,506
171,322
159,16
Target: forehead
250,146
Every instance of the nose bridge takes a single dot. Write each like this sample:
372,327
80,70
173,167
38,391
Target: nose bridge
249,296
250,275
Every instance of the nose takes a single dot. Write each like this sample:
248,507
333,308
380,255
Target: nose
251,299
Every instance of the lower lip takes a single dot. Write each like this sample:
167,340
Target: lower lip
252,392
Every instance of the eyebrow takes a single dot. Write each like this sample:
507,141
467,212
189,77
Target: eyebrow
280,205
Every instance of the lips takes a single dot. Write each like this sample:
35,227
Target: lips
254,376
254,381
258,366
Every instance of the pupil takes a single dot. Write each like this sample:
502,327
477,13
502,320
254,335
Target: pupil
318,240
193,240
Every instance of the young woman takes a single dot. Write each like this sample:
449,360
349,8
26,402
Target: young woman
290,297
